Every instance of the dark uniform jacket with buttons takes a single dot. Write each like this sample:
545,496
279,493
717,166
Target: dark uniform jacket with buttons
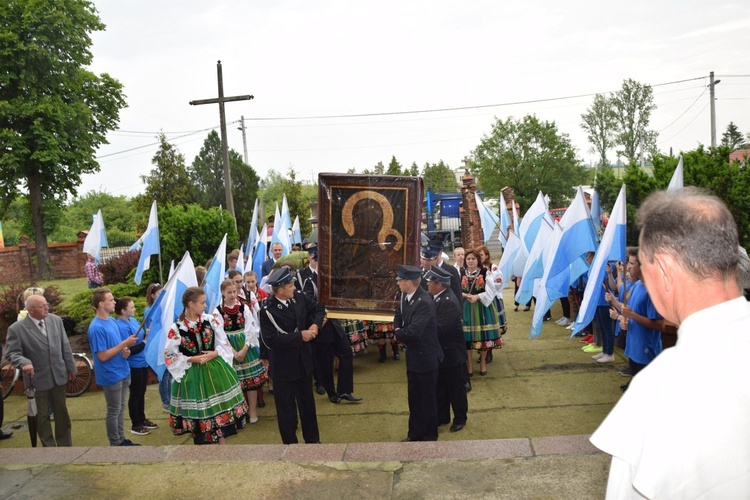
415,326
450,332
289,355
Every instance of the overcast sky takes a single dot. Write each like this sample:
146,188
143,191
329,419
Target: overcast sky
328,58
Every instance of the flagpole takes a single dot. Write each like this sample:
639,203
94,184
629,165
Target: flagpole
161,276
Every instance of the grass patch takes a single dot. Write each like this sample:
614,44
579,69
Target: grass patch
67,287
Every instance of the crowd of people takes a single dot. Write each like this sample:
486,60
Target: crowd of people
219,361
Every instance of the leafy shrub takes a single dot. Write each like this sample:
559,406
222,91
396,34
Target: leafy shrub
79,307
196,230
117,269
10,303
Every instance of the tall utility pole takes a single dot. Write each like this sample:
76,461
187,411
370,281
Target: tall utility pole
224,148
711,87
244,137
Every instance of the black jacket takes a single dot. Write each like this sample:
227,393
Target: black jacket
415,326
450,331
289,355
455,280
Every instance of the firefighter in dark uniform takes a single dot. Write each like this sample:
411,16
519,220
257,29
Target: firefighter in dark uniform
415,326
288,322
448,313
331,341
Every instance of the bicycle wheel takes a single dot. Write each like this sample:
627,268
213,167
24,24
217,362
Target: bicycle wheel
83,378
9,378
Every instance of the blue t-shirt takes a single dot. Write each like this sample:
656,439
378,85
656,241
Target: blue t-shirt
643,344
128,328
103,335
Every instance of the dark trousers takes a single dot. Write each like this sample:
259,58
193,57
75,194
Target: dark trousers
606,327
423,419
565,303
55,398
137,398
324,353
451,392
289,396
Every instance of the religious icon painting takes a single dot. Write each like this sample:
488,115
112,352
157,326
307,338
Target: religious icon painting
368,225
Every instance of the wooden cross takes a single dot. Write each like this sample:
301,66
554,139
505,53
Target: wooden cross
224,148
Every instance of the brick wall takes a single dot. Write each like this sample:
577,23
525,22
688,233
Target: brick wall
18,263
471,224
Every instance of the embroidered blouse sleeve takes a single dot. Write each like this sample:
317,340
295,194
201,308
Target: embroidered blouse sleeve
177,363
252,328
489,290
497,276
221,343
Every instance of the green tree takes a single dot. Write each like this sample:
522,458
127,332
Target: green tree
638,186
298,197
600,123
207,174
529,155
394,167
169,182
121,219
633,105
413,170
193,229
54,111
732,137
439,178
608,187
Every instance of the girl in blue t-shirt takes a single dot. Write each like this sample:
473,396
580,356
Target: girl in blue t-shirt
128,325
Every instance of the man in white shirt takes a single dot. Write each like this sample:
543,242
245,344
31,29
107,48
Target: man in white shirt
682,430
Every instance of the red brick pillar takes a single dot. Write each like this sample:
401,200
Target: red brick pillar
471,224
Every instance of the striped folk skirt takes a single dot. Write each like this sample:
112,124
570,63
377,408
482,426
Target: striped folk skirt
207,402
250,371
481,327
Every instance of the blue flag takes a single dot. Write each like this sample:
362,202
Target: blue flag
150,240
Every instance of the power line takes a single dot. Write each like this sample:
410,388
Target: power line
683,113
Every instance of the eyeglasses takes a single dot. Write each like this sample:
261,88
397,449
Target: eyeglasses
43,306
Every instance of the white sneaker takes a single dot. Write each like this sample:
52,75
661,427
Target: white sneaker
565,322
560,321
571,326
607,358
597,356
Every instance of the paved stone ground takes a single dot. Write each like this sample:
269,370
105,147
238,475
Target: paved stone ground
540,392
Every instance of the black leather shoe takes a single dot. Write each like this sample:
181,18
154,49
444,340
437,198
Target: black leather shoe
457,427
5,435
320,389
467,385
350,398
334,399
489,356
381,358
396,355
444,423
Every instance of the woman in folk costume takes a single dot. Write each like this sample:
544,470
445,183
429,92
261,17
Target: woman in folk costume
481,328
497,278
206,396
240,322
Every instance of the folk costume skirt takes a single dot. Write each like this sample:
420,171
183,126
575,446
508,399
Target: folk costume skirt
207,402
481,327
250,371
355,331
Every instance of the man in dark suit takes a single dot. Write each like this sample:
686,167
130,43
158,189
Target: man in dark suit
332,341
39,346
450,386
415,326
288,322
276,250
432,256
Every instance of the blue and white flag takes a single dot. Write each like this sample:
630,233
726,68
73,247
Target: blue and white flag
677,181
171,270
296,231
596,212
512,247
214,277
252,235
534,268
280,234
532,221
285,215
97,237
150,240
165,310
612,247
489,220
259,254
516,222
241,261
543,301
505,221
